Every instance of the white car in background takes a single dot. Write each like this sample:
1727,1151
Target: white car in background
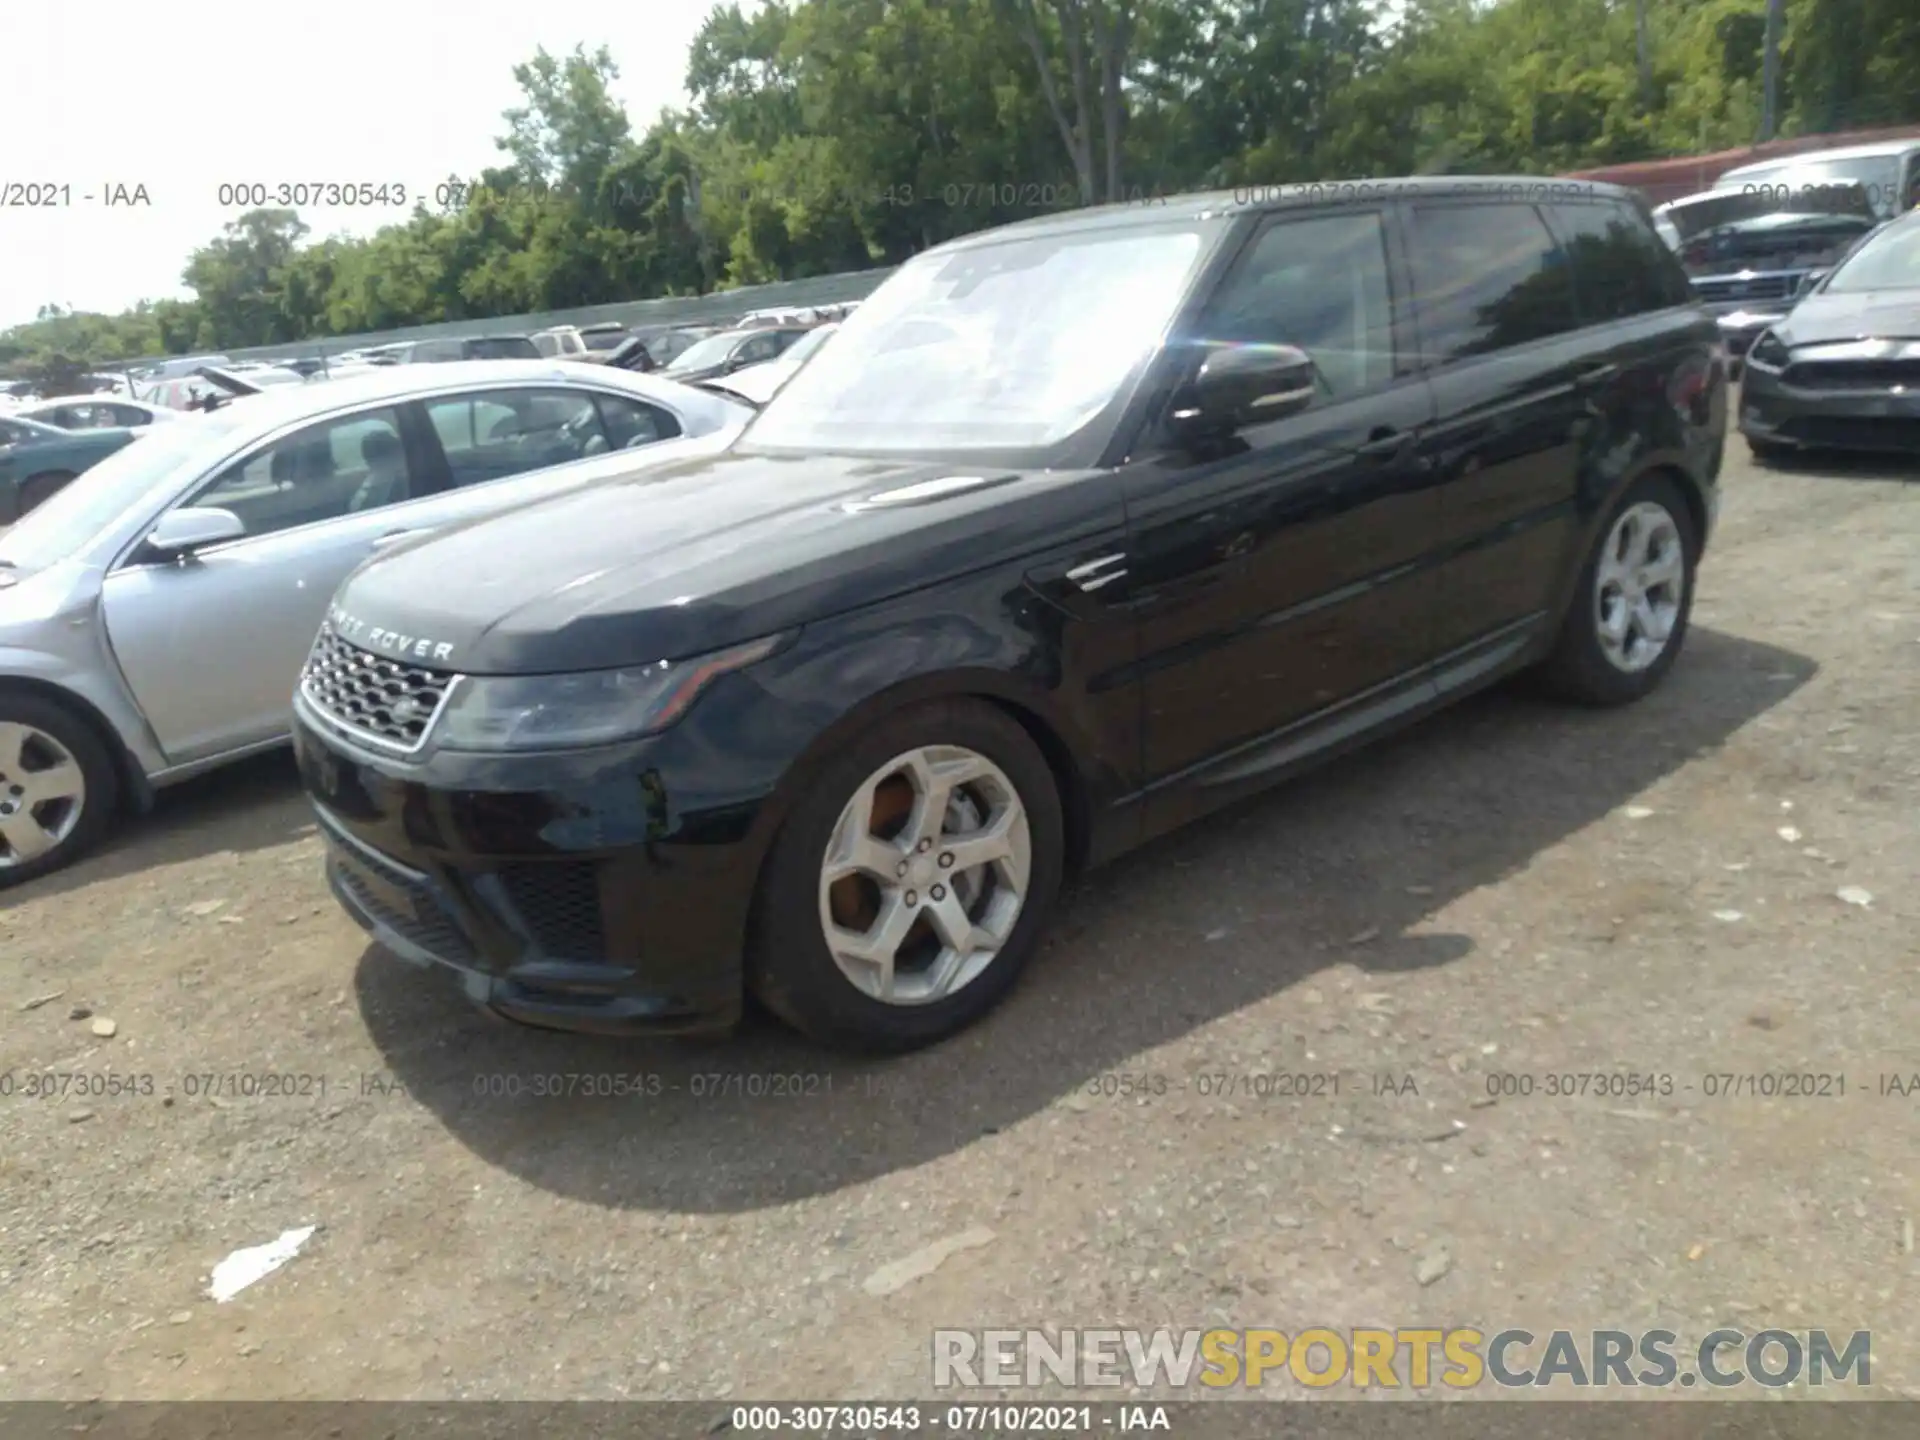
95,412
560,342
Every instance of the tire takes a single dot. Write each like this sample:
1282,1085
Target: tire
791,967
1583,666
37,488
1769,452
52,733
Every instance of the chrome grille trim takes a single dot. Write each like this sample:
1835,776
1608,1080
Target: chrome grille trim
355,690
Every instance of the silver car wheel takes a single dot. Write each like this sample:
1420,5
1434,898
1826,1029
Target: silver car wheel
925,875
43,793
1638,587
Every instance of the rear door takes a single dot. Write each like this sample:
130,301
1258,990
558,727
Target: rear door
1501,343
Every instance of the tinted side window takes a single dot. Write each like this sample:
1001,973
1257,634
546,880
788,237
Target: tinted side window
1319,284
1620,267
632,423
334,468
128,415
498,433
1487,277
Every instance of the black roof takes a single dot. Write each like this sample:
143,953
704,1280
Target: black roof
1293,195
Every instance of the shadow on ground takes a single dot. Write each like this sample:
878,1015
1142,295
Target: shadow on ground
250,805
1458,803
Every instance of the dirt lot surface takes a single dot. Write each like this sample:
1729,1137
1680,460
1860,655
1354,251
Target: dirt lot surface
1514,889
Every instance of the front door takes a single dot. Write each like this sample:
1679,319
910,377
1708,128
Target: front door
1280,578
212,644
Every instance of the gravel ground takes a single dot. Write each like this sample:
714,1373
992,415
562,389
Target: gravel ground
1511,889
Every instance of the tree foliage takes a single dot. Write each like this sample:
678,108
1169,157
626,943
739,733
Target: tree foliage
828,135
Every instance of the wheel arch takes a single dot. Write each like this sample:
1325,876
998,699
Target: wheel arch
1659,468
136,791
1027,706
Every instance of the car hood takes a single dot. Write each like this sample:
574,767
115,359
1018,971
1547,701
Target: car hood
1712,208
698,556
1825,318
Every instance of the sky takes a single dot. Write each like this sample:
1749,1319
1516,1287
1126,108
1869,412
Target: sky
109,93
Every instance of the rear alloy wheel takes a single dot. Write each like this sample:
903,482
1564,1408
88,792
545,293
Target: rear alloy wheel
1629,616
57,787
912,883
42,487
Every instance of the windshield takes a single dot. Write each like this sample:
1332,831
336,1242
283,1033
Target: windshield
1879,174
1006,346
74,514
1772,242
604,339
705,352
1889,261
502,347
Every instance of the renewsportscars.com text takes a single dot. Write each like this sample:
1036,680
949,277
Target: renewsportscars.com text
1459,1358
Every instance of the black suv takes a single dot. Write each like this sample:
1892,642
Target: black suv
1078,530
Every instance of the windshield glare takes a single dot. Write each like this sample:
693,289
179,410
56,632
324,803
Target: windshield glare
72,516
1007,346
710,351
1889,261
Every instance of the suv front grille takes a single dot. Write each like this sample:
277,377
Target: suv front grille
1759,287
383,700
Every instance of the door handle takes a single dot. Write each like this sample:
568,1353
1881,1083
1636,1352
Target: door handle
1387,444
1599,374
394,537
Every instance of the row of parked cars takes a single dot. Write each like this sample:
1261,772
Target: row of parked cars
1811,265
45,443
619,699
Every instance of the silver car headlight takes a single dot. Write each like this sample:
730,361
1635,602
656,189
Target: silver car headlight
1769,352
598,707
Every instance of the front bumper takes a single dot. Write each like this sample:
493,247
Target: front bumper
1882,418
566,891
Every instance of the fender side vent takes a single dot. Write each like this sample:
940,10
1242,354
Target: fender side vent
926,492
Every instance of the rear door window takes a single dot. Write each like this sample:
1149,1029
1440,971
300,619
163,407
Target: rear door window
492,434
1621,268
1487,278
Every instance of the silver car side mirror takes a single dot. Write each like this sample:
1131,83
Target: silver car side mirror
182,531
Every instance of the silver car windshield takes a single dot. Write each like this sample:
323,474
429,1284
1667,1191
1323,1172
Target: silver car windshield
1889,261
1009,346
71,517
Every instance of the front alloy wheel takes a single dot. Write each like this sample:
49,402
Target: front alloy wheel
926,875
911,880
58,785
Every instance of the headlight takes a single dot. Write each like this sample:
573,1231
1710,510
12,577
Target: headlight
1768,352
560,712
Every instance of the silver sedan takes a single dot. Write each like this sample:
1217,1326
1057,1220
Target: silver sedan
155,613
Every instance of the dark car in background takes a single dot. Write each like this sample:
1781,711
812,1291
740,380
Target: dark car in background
1004,582
1842,369
37,461
1749,253
732,350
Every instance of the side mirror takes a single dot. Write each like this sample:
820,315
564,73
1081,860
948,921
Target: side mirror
181,532
1808,281
1241,385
